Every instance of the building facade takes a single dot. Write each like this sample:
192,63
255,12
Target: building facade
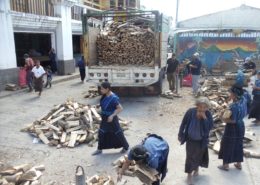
34,27
221,38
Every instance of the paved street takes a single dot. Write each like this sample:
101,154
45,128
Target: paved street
148,115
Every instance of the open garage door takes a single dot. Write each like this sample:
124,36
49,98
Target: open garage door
37,45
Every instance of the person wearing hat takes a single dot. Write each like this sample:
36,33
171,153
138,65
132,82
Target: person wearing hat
153,151
171,68
29,64
255,106
231,147
195,66
249,65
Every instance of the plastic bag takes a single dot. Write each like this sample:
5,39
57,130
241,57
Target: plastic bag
187,81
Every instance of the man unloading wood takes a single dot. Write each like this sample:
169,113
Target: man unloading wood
171,68
153,152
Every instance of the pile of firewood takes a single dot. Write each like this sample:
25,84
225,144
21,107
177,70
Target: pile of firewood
100,180
125,44
219,99
230,78
144,173
68,125
92,92
20,175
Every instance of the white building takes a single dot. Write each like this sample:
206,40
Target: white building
34,27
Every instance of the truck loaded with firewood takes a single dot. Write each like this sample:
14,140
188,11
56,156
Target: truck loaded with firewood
128,49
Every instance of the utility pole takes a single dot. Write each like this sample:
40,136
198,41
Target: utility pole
175,43
177,13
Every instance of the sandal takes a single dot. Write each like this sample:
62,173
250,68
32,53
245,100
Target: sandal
223,168
238,166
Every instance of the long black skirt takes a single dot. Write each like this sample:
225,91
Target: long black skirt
111,135
231,148
196,156
38,84
255,108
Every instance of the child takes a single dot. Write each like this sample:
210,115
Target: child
49,77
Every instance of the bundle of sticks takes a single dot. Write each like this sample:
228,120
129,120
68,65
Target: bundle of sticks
125,44
68,125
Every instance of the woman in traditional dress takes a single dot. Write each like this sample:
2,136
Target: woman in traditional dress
110,133
152,152
231,148
194,130
255,107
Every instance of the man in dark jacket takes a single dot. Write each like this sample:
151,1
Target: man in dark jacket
171,68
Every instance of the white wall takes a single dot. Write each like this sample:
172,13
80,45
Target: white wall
7,47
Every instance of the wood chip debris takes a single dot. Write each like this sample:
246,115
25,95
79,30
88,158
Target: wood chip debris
145,174
100,180
69,125
170,95
219,99
20,175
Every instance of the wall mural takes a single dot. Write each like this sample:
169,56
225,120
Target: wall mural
214,51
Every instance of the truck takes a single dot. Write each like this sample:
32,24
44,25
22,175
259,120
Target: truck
127,79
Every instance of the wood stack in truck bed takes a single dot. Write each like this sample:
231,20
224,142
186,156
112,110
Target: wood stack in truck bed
20,175
124,44
68,125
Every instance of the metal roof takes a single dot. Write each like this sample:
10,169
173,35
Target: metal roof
243,17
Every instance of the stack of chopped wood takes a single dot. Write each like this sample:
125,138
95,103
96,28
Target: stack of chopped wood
20,175
230,79
92,92
144,173
68,125
219,99
100,180
125,44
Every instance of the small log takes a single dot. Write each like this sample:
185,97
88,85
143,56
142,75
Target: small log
43,138
74,128
63,137
72,141
94,111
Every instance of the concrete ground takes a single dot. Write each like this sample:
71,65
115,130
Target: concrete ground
148,115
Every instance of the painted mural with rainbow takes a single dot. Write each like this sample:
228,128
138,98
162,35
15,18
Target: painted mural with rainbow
216,50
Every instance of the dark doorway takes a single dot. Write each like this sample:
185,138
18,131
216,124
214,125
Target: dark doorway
77,42
37,45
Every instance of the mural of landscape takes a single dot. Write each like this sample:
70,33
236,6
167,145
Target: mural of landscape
216,50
